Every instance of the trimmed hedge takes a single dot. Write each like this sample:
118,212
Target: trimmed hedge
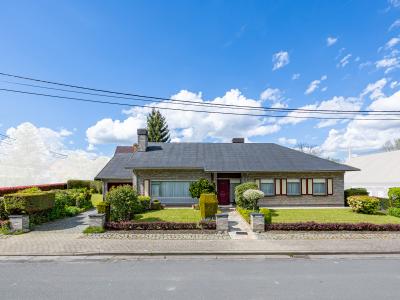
43,187
354,192
76,197
394,197
124,203
132,225
208,204
245,213
313,226
3,212
29,203
145,202
240,189
88,184
104,208
267,215
364,204
394,211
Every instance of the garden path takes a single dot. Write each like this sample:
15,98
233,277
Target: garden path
239,229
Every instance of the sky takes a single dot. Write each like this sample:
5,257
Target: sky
340,55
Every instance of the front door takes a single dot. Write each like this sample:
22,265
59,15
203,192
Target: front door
223,191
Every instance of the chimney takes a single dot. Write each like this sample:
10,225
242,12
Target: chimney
238,140
142,139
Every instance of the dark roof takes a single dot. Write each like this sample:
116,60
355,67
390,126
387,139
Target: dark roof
230,157
116,167
124,149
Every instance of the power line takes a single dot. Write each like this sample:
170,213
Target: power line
202,104
191,110
191,102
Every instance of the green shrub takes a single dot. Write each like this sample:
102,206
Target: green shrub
71,211
29,203
394,197
93,229
3,212
30,190
104,208
95,185
252,196
245,213
267,215
364,204
239,190
156,205
384,203
354,192
124,203
208,204
394,211
145,202
201,186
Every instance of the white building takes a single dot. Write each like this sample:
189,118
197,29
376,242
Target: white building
378,173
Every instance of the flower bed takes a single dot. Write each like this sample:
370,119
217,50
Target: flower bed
132,225
313,226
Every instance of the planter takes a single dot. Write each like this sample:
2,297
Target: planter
19,222
97,220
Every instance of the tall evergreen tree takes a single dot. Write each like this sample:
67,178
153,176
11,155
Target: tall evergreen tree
157,127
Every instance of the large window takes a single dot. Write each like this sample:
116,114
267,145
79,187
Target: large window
293,187
268,187
319,187
171,191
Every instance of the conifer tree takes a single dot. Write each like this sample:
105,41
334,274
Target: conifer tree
157,127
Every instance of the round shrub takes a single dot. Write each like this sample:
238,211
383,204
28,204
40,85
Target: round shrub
394,197
364,204
239,190
252,196
394,211
145,202
124,203
354,192
201,186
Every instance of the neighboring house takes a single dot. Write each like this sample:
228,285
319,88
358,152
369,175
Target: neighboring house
287,177
379,172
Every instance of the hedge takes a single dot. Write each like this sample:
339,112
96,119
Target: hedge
3,212
208,205
104,208
313,226
354,192
394,211
394,197
43,187
88,184
364,204
132,225
29,203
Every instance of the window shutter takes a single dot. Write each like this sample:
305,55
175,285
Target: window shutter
309,186
283,186
304,186
147,187
277,186
330,186
258,183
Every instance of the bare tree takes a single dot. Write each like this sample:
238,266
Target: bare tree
307,148
391,145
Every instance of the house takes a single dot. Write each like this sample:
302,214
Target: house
379,172
287,177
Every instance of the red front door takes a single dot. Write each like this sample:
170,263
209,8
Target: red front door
223,189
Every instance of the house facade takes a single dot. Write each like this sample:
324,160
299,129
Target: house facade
287,177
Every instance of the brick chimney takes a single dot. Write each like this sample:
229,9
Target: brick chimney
143,139
238,140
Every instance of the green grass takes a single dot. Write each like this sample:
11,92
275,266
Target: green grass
93,229
96,199
329,216
181,215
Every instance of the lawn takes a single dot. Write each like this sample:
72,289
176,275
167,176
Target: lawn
182,215
96,199
328,216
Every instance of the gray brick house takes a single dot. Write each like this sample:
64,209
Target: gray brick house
287,177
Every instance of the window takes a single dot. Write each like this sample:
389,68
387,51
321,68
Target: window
233,184
293,187
319,187
171,191
267,187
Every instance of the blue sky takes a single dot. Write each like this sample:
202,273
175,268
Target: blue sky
164,48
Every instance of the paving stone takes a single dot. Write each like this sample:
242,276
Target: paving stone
328,235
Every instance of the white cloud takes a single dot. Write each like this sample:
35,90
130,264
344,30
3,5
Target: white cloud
280,59
394,3
331,41
365,136
314,85
295,76
287,141
392,42
388,63
375,89
344,61
324,89
336,103
189,126
395,25
35,155
271,94
394,84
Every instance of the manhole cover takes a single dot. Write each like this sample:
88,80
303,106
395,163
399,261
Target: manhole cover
241,232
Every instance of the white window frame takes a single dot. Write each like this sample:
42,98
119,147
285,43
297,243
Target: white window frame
320,180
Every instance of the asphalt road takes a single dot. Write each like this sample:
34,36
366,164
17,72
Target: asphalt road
195,278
